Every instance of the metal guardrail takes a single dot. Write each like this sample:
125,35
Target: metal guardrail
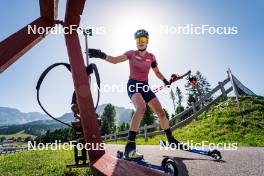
195,113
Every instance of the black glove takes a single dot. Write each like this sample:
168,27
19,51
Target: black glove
174,78
96,53
166,82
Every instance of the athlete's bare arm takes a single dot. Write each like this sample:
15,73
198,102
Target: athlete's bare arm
158,73
117,59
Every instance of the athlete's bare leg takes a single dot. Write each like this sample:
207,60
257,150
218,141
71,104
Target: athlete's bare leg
155,105
130,148
140,106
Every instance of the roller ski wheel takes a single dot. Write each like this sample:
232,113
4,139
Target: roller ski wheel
215,154
170,166
119,154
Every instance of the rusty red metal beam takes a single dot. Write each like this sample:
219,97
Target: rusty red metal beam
82,88
19,43
101,163
49,10
89,122
108,165
73,13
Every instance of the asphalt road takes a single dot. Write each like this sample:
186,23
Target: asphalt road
245,161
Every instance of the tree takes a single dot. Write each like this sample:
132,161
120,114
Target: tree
148,118
108,120
179,96
114,128
28,138
200,89
63,135
179,109
122,127
191,99
127,126
172,96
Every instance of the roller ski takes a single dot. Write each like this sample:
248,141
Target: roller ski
215,154
168,164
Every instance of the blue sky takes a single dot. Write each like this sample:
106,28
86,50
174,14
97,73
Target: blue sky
175,53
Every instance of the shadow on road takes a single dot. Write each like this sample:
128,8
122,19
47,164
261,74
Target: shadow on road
183,171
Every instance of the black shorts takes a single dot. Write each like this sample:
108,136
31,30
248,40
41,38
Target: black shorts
142,87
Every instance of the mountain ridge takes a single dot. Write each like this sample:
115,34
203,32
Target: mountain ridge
14,119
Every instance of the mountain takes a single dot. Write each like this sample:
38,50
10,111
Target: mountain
13,121
12,116
67,118
122,115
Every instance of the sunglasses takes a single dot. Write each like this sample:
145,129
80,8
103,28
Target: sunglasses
142,40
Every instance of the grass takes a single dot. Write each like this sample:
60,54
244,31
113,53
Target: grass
223,124
40,163
19,144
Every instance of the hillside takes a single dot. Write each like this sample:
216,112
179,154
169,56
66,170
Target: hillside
20,134
224,124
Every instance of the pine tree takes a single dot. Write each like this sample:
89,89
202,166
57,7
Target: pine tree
108,120
127,126
172,96
191,99
179,96
114,128
179,108
122,127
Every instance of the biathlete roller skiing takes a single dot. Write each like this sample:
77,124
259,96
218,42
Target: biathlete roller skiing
140,63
